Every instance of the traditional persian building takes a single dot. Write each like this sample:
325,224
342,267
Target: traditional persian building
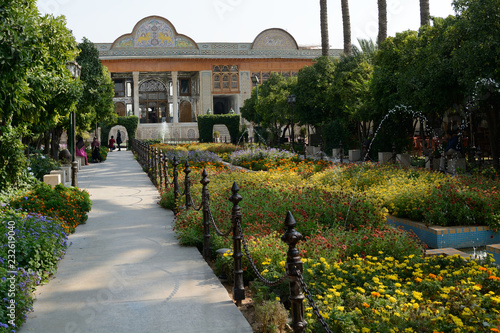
167,79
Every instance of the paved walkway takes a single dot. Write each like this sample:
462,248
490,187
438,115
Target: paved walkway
125,271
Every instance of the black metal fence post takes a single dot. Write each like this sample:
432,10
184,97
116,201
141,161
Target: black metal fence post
165,169
206,217
175,163
155,166
294,265
146,152
144,156
187,185
239,288
161,166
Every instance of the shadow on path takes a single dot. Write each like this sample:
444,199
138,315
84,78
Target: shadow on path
125,271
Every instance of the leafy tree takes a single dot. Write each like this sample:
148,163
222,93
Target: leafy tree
476,61
13,163
272,109
350,93
96,104
313,85
55,91
19,48
36,90
349,98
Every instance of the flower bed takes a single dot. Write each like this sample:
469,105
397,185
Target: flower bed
333,228
422,196
33,238
32,244
69,204
198,159
382,294
341,212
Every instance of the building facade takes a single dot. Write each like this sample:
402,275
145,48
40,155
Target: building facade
168,80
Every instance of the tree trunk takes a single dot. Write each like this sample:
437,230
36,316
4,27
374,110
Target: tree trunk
425,15
382,21
54,142
325,47
46,142
346,21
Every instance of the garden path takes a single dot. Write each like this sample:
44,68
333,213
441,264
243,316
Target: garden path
125,271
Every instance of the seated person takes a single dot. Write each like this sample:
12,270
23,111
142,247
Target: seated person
80,149
111,143
96,151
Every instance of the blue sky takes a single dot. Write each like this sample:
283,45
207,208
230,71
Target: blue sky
237,20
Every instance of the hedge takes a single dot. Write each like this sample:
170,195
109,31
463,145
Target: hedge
130,123
206,124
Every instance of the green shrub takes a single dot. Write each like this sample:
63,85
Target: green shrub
12,160
206,124
69,204
271,317
41,164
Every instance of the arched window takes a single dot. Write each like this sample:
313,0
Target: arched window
216,81
153,102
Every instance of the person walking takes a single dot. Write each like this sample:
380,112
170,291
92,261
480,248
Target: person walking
111,143
119,139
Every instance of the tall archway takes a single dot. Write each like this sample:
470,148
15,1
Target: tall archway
185,112
153,102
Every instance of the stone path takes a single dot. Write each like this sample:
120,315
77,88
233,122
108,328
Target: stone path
125,271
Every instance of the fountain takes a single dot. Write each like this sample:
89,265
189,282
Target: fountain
164,131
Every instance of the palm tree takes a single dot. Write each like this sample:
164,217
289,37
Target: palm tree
346,20
382,21
324,28
366,51
424,12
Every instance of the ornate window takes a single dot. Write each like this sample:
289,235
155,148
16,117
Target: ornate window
234,81
225,79
216,82
153,102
